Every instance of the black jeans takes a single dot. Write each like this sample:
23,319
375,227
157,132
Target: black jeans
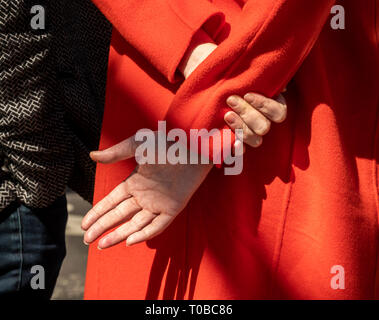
32,249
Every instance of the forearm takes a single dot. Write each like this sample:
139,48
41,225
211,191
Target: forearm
261,54
200,48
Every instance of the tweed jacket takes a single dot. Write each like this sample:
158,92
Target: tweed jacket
52,88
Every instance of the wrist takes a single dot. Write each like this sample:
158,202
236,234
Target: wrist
200,48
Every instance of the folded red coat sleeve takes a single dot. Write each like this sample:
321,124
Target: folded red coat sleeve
176,22
262,53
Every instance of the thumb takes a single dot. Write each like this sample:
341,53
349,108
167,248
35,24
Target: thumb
121,151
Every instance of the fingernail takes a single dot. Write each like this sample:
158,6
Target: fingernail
262,128
230,118
249,98
232,101
258,141
92,155
87,244
84,222
102,242
89,236
129,241
98,248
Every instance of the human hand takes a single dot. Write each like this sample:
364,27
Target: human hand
254,114
145,203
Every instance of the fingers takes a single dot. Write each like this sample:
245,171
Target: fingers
275,110
255,120
117,195
159,224
123,212
137,223
249,137
254,114
121,151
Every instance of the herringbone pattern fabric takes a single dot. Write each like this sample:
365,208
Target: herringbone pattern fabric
50,102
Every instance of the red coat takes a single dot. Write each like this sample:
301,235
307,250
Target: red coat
307,200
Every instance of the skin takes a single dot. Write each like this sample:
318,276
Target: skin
254,114
147,202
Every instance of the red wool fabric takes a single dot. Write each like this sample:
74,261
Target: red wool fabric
306,201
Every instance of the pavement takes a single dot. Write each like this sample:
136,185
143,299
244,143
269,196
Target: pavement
70,284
